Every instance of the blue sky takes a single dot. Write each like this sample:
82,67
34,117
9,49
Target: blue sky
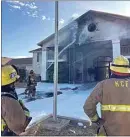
24,24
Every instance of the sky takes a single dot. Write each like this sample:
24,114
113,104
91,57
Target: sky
26,23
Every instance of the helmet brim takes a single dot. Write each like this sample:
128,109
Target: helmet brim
120,69
17,76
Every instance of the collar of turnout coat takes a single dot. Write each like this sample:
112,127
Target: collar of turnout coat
119,77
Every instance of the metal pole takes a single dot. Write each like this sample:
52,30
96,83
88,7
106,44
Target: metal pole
55,63
82,68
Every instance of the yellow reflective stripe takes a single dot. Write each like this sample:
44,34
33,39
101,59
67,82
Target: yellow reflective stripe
94,118
3,124
27,113
21,102
116,108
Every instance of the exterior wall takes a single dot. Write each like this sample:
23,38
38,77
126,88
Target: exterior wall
37,65
107,29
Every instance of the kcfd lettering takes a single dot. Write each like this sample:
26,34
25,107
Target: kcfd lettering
121,84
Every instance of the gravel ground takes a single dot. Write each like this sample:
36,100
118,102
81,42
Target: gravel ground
73,129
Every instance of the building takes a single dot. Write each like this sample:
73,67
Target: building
86,46
24,66
22,63
37,60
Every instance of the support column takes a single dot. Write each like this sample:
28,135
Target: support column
116,48
44,65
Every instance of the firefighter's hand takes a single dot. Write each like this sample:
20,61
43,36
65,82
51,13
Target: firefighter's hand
99,122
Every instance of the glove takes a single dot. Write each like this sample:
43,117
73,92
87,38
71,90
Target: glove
94,118
99,122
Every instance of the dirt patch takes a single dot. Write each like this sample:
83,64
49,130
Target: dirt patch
73,129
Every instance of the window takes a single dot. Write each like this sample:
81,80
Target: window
51,54
125,50
92,27
125,47
38,57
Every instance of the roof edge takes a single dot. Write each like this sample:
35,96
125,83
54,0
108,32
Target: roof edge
35,50
89,11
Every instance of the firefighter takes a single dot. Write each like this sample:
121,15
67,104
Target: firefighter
15,117
31,84
114,96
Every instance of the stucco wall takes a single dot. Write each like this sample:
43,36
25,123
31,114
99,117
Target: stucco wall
107,29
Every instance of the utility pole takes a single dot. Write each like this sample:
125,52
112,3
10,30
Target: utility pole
55,64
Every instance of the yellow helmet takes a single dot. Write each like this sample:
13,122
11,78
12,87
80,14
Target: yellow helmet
9,75
120,64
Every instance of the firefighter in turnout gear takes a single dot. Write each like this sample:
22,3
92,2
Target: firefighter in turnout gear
31,84
114,96
15,117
